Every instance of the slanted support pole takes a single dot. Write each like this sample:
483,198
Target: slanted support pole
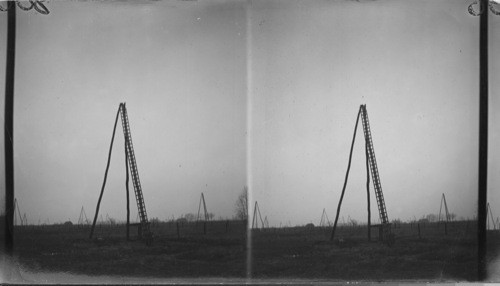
105,175
346,177
368,189
128,193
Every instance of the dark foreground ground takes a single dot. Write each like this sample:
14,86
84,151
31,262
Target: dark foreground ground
285,253
433,256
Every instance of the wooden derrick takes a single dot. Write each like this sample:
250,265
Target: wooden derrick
130,164
443,201
255,222
371,168
202,201
324,222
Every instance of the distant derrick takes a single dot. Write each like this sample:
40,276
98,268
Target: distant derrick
255,222
324,222
205,214
82,219
443,200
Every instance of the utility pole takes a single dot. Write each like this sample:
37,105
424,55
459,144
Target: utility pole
8,128
483,139
484,6
9,113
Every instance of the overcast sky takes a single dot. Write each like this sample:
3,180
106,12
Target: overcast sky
222,94
179,66
415,65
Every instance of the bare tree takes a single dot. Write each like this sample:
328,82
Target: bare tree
242,205
190,217
211,216
431,217
452,216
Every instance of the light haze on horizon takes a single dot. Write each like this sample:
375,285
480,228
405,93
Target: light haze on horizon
199,77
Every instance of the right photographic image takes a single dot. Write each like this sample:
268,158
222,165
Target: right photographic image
364,127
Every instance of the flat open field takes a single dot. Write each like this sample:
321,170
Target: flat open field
302,252
191,254
286,253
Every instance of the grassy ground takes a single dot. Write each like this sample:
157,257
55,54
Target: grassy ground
308,253
286,253
192,254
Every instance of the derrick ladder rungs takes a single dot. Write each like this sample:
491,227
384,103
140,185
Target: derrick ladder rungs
135,173
374,170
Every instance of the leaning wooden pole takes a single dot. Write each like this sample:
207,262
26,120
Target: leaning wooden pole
346,176
205,207
488,208
260,216
105,175
254,220
205,214
446,209
128,192
368,189
440,207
